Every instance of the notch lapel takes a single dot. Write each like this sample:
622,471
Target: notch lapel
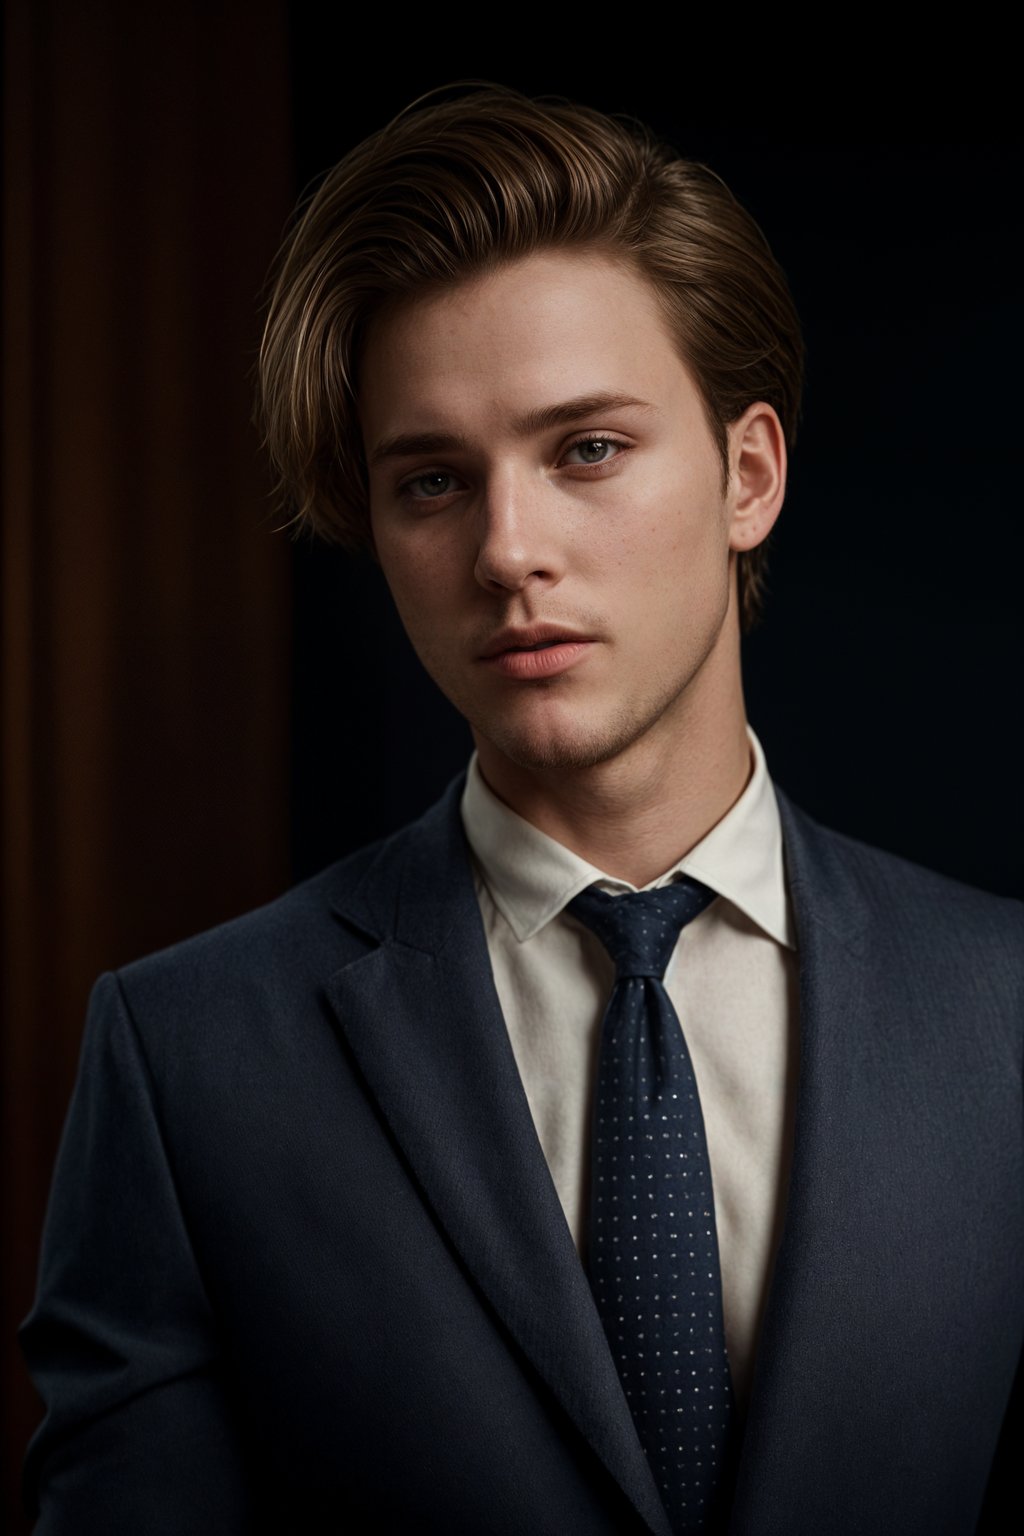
793,1394
421,1014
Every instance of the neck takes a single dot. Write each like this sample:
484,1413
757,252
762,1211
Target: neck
638,813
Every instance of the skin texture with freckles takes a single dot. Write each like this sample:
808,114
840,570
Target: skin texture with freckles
539,455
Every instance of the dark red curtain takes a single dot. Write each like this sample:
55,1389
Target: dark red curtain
144,587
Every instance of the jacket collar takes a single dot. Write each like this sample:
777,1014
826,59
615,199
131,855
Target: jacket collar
418,890
820,875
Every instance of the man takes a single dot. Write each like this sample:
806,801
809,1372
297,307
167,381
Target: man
615,1149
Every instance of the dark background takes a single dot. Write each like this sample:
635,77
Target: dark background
197,711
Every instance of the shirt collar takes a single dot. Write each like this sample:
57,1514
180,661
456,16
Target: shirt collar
531,877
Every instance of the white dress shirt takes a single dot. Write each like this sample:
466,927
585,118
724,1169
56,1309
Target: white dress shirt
732,980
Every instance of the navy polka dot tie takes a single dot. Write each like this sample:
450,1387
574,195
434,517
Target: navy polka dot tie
653,1245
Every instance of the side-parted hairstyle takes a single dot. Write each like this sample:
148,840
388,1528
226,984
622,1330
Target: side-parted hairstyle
453,187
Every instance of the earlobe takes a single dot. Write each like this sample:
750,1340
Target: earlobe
757,482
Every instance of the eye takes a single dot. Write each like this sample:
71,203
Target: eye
593,450
431,486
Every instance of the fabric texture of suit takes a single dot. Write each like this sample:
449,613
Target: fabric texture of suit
305,1267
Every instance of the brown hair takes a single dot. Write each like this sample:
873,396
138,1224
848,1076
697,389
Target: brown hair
451,187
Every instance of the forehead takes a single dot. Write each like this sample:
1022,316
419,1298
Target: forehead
550,326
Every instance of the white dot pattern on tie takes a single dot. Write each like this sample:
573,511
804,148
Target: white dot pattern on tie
654,1265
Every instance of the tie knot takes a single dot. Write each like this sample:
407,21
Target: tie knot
640,930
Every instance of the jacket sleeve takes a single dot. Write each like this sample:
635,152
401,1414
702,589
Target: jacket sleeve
139,1435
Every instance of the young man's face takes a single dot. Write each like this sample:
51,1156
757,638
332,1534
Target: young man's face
542,473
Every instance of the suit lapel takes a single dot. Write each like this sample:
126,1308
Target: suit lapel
421,1015
792,1395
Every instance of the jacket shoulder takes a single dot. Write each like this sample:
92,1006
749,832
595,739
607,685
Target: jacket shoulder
278,954
297,923
906,897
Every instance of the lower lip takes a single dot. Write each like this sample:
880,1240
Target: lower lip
528,665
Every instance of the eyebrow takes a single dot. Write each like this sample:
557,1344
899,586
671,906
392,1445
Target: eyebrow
540,419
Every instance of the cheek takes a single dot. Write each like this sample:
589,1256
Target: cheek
677,537
420,575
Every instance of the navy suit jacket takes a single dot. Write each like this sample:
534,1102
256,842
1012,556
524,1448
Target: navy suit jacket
305,1267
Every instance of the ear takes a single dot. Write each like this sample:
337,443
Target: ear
757,475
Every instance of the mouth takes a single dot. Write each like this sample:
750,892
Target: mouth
533,638
536,652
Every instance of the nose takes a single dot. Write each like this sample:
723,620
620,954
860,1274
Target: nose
517,536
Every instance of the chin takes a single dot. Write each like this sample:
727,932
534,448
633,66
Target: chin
573,744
